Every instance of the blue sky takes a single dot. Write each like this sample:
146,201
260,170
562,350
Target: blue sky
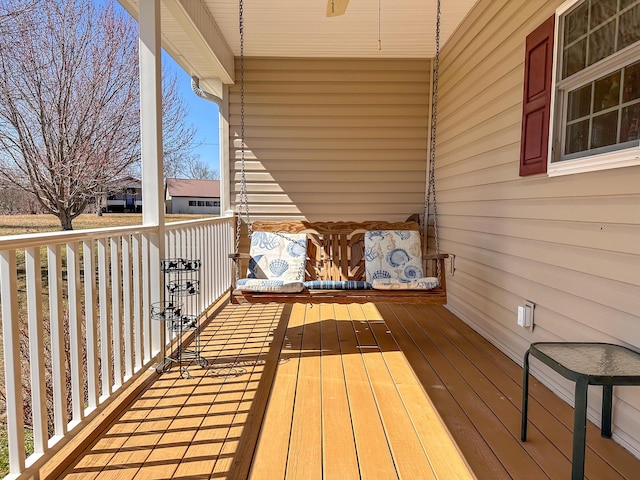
203,115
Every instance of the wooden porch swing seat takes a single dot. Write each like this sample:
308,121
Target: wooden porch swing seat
335,252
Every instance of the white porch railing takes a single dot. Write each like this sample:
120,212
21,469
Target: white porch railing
76,320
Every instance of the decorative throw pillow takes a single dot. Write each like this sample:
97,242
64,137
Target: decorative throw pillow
395,254
278,256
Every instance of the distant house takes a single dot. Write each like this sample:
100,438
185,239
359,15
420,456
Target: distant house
184,195
126,197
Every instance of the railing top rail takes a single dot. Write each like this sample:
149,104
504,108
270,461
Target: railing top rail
191,223
10,242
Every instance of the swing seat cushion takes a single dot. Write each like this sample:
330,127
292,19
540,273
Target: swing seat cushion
425,283
392,255
278,256
267,285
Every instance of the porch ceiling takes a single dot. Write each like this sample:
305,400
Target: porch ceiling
203,37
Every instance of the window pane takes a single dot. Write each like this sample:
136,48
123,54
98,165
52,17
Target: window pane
577,137
630,118
579,103
602,10
574,58
575,24
607,92
601,42
605,130
629,32
631,83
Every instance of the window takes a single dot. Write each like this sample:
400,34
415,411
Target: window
201,203
192,203
209,203
597,91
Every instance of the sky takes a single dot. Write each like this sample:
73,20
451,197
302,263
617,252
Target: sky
203,115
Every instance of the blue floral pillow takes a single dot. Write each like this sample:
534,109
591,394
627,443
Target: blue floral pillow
393,254
278,256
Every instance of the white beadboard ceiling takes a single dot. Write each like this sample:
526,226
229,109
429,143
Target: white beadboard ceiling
300,28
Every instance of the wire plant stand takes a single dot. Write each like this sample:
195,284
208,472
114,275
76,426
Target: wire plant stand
182,285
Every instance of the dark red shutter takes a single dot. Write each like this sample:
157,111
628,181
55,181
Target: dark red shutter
536,104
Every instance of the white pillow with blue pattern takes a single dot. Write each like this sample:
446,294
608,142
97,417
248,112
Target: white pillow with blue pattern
393,254
277,258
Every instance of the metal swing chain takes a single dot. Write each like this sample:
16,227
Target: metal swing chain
431,190
243,204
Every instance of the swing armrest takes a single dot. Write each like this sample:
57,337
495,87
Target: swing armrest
436,256
239,256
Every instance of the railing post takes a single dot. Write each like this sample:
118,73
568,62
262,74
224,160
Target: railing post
151,151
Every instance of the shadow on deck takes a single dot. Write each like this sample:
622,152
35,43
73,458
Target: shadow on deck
344,391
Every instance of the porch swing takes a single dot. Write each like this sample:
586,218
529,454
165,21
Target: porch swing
340,262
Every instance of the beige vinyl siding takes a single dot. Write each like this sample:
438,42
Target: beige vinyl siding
332,139
570,244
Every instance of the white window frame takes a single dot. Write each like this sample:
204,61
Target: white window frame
615,159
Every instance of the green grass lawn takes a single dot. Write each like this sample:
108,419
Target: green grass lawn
18,224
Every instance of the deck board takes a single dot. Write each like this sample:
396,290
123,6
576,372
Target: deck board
338,442
373,452
344,391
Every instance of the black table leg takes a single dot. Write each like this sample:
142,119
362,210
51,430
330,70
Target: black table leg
607,402
525,396
579,430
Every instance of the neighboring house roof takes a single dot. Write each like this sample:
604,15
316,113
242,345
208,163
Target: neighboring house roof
130,182
186,187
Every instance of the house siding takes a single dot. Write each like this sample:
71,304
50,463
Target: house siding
180,205
570,244
334,139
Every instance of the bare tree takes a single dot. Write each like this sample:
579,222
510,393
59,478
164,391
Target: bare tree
69,104
195,168
10,9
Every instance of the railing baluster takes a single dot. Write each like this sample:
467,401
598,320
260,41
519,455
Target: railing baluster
105,325
36,351
126,307
75,344
58,370
156,245
137,302
90,323
11,343
116,295
146,300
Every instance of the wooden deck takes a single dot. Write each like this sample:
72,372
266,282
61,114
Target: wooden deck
344,391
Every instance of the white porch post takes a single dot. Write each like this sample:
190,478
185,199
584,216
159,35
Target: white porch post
152,161
226,179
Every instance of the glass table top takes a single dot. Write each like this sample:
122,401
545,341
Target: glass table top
593,359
